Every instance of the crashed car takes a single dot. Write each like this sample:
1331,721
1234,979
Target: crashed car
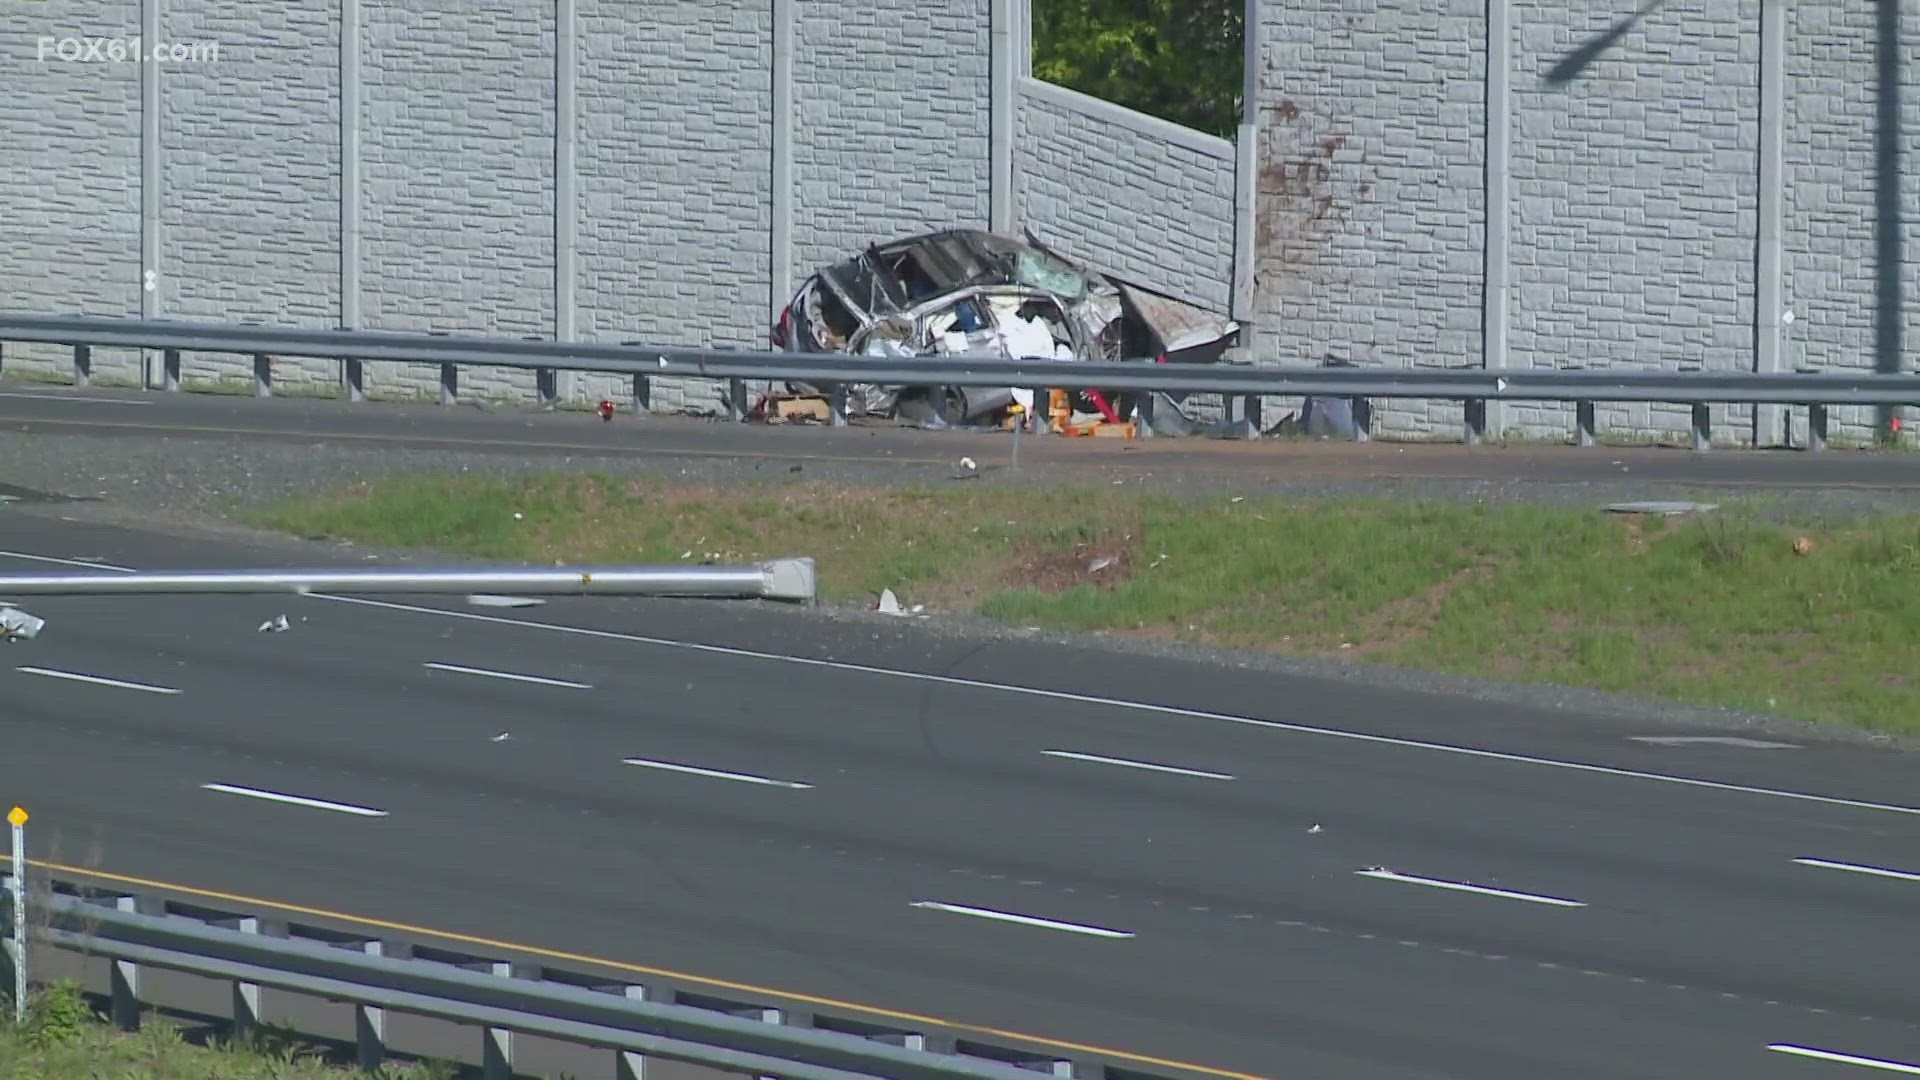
975,293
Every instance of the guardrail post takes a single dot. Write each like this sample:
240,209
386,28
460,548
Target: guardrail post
246,996
126,980
1583,423
932,1044
771,1016
449,383
737,400
353,373
1702,427
1362,418
497,1053
1474,430
628,1065
837,405
546,386
1816,427
262,375
1142,414
170,371
370,1025
642,395
82,365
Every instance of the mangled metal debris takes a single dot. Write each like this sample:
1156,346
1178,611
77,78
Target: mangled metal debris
974,293
276,625
17,625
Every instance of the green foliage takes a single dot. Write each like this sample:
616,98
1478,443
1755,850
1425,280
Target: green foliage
1180,60
57,1015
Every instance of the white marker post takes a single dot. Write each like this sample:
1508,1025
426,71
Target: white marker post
17,886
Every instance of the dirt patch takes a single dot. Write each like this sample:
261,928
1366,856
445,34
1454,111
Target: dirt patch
1399,623
1097,564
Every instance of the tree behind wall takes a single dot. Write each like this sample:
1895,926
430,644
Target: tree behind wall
1179,60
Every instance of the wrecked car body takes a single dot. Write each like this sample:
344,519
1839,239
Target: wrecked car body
975,293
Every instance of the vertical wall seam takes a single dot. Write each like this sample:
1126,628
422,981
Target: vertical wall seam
148,284
565,201
350,164
1497,209
1000,121
780,212
1769,285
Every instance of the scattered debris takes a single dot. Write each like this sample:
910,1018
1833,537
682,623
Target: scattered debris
517,515
484,600
1803,546
889,604
1315,829
502,737
1238,499
275,625
605,410
1100,564
17,625
1663,509
969,464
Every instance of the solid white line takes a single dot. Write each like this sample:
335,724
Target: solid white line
509,675
1846,1059
75,676
1140,706
67,562
73,397
1389,875
1856,868
1024,920
716,774
295,800
1098,760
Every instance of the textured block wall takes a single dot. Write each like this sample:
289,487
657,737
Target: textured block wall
69,176
892,123
1633,202
1371,208
673,199
675,182
1134,196
1828,190
1635,199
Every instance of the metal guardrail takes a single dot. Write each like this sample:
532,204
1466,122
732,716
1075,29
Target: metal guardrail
1473,386
635,1023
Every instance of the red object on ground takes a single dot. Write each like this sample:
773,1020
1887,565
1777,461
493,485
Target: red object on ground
1106,410
606,410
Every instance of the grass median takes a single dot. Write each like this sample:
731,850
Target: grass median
1820,622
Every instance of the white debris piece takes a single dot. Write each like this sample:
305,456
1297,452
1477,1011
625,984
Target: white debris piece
484,600
502,737
275,625
969,464
17,625
1315,829
1099,564
890,604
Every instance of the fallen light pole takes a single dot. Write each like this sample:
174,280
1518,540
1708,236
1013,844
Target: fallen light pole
775,579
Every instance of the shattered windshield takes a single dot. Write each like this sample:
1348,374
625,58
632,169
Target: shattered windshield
1039,270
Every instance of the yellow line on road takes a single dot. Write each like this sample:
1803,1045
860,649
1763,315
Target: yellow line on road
639,969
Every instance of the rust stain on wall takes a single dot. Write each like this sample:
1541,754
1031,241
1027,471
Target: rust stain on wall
1303,202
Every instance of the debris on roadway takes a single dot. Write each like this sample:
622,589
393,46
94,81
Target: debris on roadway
275,625
17,625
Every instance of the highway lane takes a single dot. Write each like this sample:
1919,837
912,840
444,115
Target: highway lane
534,433
959,808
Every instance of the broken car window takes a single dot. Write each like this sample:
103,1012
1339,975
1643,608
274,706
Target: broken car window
1037,269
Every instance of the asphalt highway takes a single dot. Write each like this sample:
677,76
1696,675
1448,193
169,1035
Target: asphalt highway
527,432
1259,876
